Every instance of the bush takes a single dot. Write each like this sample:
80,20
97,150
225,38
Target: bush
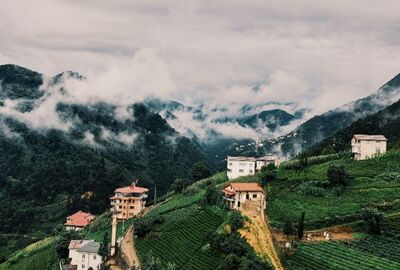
236,220
337,176
143,226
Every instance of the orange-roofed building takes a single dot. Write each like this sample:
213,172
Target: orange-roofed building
78,221
244,195
129,201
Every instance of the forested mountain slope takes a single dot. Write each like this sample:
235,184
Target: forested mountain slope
47,173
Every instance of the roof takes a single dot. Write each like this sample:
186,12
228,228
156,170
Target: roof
91,247
268,158
241,159
132,189
75,244
79,219
246,187
364,137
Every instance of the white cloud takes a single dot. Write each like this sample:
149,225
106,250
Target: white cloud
320,54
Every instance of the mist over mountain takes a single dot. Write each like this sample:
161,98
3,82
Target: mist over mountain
59,155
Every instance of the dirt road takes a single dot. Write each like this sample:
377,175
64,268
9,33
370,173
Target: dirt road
128,249
259,237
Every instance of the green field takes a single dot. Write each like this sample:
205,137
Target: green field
40,255
182,238
370,186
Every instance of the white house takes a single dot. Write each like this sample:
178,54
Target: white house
367,146
242,166
85,254
244,195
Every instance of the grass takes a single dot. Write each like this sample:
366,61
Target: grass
335,255
366,189
40,255
182,238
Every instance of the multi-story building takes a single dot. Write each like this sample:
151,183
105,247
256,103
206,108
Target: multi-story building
242,166
368,146
78,221
129,201
244,195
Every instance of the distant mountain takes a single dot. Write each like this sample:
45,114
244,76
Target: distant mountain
49,171
322,126
385,122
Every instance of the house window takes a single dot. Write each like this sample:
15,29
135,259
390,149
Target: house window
254,196
230,163
229,170
83,266
94,257
83,256
242,164
131,207
247,196
241,170
250,171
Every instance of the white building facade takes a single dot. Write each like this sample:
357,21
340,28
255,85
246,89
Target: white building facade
368,146
84,254
243,166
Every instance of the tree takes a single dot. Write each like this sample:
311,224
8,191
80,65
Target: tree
236,220
373,219
179,185
267,174
199,171
337,176
103,251
303,164
300,226
288,228
212,196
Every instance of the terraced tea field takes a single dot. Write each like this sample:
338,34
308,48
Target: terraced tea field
182,239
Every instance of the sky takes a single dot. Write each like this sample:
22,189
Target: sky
319,54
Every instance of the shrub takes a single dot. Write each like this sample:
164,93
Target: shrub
236,220
337,176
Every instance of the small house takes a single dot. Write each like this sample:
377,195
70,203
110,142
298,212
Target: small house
241,196
84,254
368,146
78,221
243,166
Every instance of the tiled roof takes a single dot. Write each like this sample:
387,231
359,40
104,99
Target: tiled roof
132,189
92,247
75,244
246,187
79,219
268,158
364,137
241,159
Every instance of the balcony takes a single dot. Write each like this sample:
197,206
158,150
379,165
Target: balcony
228,198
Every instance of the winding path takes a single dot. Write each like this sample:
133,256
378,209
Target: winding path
260,238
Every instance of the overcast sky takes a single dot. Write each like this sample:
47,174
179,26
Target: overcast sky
318,53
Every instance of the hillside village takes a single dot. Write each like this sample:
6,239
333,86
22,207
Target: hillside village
248,204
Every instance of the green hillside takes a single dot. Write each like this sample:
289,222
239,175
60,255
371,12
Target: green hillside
373,183
385,122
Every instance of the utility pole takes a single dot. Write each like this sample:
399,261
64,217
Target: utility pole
113,231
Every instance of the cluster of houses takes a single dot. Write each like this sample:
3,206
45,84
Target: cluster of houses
84,254
131,200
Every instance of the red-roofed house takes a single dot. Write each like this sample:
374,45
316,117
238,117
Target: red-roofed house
129,201
78,221
240,195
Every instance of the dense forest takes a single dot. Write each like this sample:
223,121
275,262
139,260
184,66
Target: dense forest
46,174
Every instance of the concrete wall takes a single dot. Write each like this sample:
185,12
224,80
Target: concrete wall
368,149
240,168
85,260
